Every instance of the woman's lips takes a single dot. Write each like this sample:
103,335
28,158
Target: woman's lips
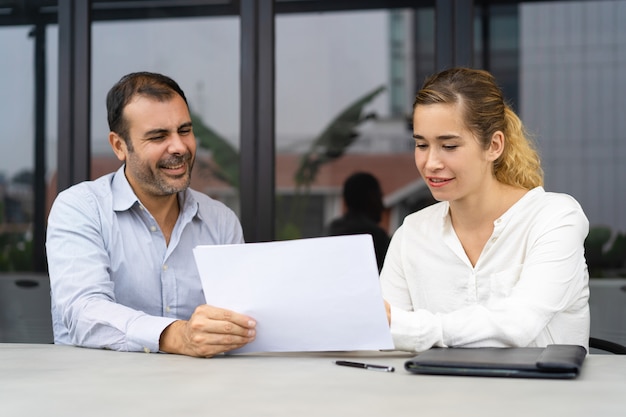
438,182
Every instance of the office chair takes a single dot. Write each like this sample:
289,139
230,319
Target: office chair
607,346
25,308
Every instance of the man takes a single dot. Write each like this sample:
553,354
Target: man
363,199
120,248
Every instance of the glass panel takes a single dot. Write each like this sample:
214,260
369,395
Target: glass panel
503,42
424,46
202,55
573,61
345,85
17,147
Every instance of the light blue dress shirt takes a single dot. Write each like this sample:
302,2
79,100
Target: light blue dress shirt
115,283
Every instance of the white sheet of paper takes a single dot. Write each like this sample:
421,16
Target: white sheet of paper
316,294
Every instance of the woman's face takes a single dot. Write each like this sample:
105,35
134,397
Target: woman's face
448,155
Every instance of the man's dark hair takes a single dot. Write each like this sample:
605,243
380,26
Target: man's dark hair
362,194
149,84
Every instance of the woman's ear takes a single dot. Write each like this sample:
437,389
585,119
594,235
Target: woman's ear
118,145
496,147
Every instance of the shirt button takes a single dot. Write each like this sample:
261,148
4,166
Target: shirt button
145,349
493,239
168,309
153,228
165,267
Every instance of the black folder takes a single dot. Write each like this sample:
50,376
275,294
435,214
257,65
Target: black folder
553,361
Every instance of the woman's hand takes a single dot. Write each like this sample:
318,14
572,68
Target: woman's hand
388,310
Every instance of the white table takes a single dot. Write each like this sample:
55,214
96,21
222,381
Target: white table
48,380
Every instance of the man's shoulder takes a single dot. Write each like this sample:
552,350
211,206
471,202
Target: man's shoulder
207,204
82,202
204,199
99,187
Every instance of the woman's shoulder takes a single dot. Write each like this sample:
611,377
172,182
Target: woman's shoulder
428,214
549,200
550,209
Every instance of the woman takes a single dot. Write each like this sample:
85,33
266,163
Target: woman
498,261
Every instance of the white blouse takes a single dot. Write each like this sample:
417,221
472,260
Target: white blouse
529,286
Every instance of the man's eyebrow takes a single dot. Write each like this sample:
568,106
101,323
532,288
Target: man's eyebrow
161,131
158,131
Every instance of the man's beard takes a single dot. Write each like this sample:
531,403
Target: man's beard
156,182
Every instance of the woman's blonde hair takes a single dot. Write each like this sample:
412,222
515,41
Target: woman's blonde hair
484,113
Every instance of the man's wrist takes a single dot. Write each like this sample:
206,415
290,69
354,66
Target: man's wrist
171,340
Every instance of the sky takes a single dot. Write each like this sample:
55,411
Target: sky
323,63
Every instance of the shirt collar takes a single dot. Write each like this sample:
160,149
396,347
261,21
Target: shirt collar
519,205
445,213
446,221
189,205
123,195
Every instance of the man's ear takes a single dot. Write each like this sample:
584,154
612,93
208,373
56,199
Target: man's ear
496,147
118,145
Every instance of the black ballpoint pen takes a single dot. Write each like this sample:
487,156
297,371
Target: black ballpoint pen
372,367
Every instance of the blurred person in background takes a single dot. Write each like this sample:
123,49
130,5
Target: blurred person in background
363,200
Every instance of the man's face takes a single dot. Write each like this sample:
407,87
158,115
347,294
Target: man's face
163,146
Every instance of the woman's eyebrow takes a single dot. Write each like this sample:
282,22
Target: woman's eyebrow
440,137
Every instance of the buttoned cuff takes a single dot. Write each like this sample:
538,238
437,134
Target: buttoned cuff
415,331
145,332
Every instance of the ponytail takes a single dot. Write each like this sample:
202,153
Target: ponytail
519,165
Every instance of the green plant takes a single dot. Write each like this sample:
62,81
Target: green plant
16,252
224,154
329,145
335,138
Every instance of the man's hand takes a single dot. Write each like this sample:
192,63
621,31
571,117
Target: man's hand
208,332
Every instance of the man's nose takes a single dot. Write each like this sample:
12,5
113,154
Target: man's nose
177,144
